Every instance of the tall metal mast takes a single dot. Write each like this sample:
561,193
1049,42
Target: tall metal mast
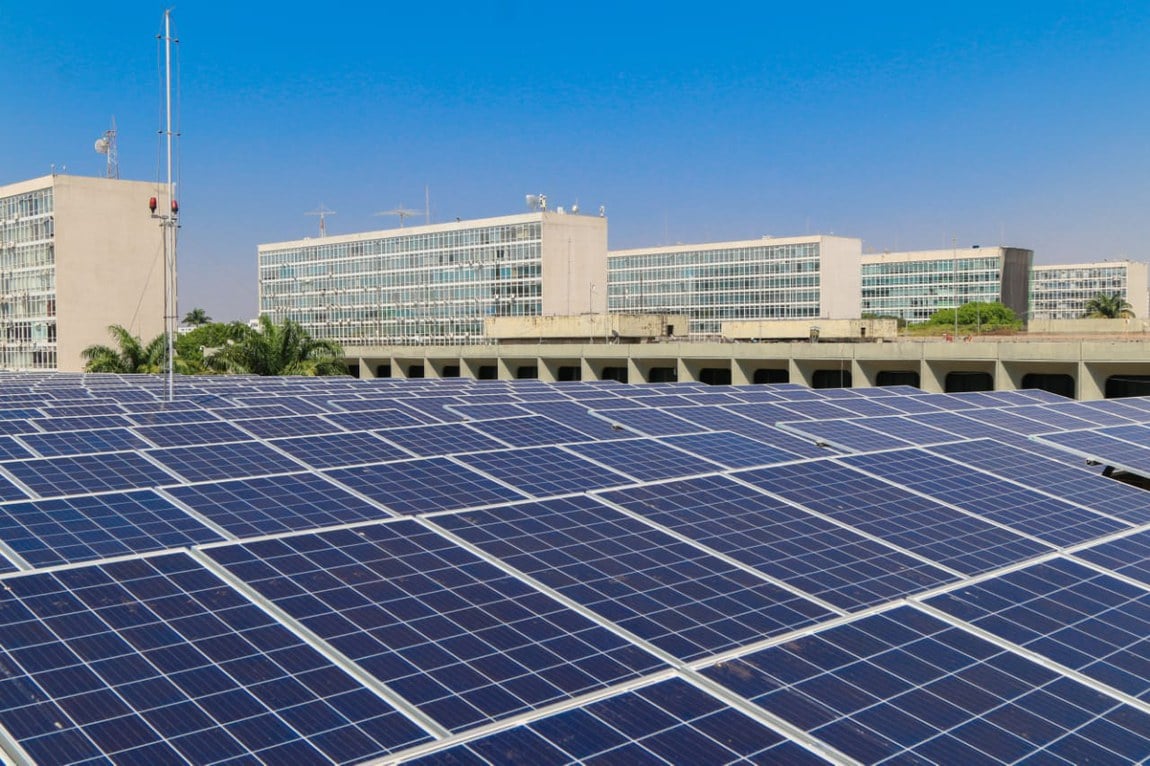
169,217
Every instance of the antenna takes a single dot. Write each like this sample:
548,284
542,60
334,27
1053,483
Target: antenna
402,212
106,145
323,213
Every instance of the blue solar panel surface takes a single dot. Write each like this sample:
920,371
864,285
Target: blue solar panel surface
224,579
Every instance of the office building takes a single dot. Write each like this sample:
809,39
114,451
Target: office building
914,285
435,284
77,254
769,278
1061,292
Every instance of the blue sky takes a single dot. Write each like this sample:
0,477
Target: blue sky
909,125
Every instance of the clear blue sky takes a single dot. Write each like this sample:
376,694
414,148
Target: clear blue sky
909,125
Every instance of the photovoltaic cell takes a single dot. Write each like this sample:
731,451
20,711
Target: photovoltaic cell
833,563
331,450
82,442
1026,510
224,461
528,431
908,687
1099,446
1128,556
64,530
84,474
269,505
730,450
291,425
544,471
192,433
421,486
668,722
450,633
936,532
649,421
645,459
440,439
157,661
683,600
846,435
366,421
576,416
81,423
11,449
1084,620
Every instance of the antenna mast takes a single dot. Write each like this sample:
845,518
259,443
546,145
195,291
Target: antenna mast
323,213
402,212
106,145
168,218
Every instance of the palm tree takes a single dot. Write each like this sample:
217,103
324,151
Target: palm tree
284,349
197,317
130,356
1113,306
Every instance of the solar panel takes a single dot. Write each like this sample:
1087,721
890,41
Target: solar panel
842,435
1098,445
1085,620
649,422
331,450
158,661
1027,510
81,423
82,474
366,421
214,432
292,425
833,563
528,431
81,442
909,687
683,600
544,471
937,532
270,505
64,530
645,459
424,485
224,461
451,634
440,439
672,721
730,450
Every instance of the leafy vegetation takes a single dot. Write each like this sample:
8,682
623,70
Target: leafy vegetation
975,317
219,347
283,349
197,317
1113,306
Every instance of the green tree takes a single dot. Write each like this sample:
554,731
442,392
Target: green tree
197,317
283,349
1113,306
207,338
130,354
983,316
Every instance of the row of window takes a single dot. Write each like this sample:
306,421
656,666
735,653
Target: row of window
19,206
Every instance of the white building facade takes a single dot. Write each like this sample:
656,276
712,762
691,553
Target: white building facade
1061,292
770,278
435,284
914,285
77,255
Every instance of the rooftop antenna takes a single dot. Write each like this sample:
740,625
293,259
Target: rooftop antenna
323,213
168,217
427,204
106,145
402,212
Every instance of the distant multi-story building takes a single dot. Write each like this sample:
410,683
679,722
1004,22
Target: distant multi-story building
914,285
76,255
769,278
1061,292
435,284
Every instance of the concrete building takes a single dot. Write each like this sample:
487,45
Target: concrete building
769,278
1061,292
77,254
914,285
435,284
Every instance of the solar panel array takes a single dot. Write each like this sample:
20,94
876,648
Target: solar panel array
449,571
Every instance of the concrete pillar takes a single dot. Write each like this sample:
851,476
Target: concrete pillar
634,372
739,376
1090,385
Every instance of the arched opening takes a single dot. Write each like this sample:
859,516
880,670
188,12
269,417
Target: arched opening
959,381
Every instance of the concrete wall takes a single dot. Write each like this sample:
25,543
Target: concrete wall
840,277
593,327
1007,362
1136,326
801,329
574,254
109,264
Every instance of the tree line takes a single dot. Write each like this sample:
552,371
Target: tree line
221,348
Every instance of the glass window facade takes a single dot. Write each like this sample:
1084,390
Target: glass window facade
27,281
914,288
405,288
710,284
1062,292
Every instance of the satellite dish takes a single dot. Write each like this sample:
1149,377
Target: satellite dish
532,201
101,145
